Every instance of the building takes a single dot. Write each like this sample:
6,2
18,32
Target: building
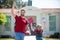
49,17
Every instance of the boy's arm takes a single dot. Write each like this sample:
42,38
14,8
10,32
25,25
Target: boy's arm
44,27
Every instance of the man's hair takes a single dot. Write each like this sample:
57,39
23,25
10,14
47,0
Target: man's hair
22,10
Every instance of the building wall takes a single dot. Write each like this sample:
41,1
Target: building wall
39,19
40,15
47,32
58,22
11,27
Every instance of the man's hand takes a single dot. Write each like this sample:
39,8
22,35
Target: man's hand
27,30
13,12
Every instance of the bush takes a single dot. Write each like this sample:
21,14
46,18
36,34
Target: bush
3,19
55,35
5,36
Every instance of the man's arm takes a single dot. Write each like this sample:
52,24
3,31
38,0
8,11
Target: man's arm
13,12
32,27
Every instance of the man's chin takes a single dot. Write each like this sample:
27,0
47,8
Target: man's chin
22,15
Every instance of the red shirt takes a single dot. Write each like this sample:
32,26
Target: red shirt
38,33
20,24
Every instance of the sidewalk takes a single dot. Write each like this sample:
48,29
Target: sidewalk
30,38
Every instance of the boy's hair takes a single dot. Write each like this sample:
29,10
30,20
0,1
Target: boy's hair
39,25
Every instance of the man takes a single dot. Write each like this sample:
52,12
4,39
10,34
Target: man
20,24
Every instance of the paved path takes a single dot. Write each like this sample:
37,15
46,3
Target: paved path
29,38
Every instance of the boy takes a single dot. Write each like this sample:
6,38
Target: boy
38,32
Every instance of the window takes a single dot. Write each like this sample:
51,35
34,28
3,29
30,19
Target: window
30,3
52,23
8,24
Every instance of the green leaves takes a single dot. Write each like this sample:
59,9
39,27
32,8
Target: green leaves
3,18
6,3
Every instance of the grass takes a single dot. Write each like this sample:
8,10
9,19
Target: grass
51,39
6,39
44,38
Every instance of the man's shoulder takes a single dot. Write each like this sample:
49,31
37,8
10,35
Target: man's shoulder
26,18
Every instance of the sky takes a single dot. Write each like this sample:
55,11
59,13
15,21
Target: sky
45,3
24,0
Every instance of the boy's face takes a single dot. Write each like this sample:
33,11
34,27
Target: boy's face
38,27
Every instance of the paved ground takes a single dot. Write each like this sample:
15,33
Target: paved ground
30,37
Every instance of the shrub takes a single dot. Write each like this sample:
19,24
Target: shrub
3,18
55,35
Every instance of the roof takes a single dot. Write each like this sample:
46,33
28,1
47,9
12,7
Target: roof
33,8
50,10
6,10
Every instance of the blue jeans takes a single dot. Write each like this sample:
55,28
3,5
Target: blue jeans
19,36
39,38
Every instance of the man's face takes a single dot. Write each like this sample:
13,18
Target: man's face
23,13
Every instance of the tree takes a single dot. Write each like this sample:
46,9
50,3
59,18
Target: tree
6,3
